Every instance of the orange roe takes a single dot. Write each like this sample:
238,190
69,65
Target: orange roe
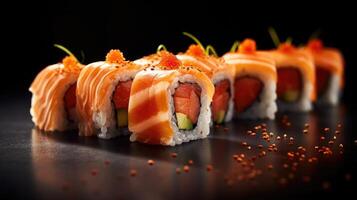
286,47
114,56
195,50
169,61
70,63
315,45
247,46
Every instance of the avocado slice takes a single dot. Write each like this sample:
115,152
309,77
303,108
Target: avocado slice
220,117
122,117
184,122
291,95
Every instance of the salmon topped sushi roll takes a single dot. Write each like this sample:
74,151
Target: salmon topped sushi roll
103,91
169,103
254,81
329,69
54,96
221,76
296,78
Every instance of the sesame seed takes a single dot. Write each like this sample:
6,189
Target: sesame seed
186,168
133,172
151,162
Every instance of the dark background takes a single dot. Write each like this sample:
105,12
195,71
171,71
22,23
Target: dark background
137,28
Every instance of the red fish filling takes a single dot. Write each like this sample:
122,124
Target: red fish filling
121,97
187,105
220,101
322,80
70,102
289,84
246,91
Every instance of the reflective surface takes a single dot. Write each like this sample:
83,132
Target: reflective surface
230,163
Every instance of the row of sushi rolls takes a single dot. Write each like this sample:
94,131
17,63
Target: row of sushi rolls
169,99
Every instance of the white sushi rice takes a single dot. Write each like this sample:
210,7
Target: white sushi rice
332,92
105,118
303,104
216,79
202,127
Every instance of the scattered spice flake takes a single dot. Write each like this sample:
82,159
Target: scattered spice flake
260,146
178,170
283,181
326,185
270,166
173,155
348,177
285,165
278,138
249,147
186,168
305,131
306,179
235,156
94,172
326,129
244,143
190,162
151,162
330,142
225,129
322,138
106,162
337,132
306,125
339,125
209,168
133,173
65,187
285,135
291,176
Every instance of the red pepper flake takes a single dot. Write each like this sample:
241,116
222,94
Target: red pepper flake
178,170
235,156
190,162
306,179
186,168
133,173
65,187
348,177
107,162
94,172
283,181
326,185
173,155
151,162
209,168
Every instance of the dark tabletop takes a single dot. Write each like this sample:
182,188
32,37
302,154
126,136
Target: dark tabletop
232,162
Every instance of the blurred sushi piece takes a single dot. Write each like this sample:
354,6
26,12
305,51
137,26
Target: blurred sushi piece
221,75
329,69
255,81
103,91
296,78
169,103
53,103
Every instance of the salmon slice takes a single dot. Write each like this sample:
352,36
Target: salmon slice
121,94
246,91
289,84
187,100
220,100
322,80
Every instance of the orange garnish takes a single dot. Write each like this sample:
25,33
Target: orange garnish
169,61
247,46
195,50
115,56
315,45
70,62
286,47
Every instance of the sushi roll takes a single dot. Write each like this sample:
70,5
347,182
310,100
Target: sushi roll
255,81
103,91
221,76
296,78
329,69
53,103
169,103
